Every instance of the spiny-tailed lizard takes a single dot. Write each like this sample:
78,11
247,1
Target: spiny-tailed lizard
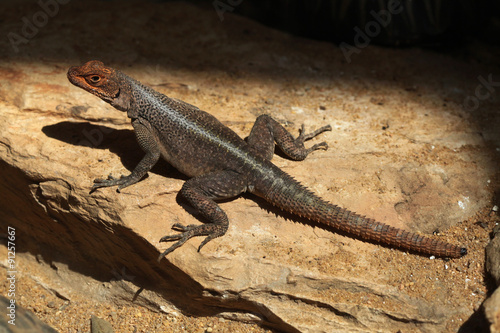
222,165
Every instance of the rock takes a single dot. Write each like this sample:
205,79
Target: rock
98,325
428,170
492,311
493,256
22,320
492,304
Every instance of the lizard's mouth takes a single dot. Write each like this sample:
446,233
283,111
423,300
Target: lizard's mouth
71,75
75,78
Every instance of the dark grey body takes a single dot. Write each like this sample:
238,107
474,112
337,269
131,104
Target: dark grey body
205,146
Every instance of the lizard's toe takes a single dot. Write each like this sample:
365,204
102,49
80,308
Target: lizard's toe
304,137
170,238
210,230
321,145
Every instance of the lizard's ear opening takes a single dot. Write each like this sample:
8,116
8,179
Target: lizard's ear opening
121,101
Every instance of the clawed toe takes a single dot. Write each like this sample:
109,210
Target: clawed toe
186,232
170,238
189,231
321,145
304,137
110,181
182,227
99,182
110,178
177,227
121,182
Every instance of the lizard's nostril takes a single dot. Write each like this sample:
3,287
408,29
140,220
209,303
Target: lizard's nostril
71,71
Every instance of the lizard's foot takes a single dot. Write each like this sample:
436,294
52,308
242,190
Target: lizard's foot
122,182
304,137
210,230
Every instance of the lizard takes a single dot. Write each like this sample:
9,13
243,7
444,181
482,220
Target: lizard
222,165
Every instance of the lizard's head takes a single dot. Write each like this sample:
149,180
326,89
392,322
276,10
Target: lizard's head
102,81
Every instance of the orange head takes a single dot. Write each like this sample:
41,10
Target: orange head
106,83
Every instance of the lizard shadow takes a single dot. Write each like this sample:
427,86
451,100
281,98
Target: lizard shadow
121,142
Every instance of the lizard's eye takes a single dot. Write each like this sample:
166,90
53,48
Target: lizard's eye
94,79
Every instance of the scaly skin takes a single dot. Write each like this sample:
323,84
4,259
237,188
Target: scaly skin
222,165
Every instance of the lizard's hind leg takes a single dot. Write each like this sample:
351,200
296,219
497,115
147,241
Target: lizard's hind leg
201,192
266,131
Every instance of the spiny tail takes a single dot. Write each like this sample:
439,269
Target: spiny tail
291,196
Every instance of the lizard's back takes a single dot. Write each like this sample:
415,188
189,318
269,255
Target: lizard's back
191,140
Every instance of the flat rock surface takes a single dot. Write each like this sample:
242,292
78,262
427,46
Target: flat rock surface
404,150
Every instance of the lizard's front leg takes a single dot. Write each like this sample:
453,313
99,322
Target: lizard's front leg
266,131
201,192
146,140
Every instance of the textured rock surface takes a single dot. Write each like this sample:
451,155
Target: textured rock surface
99,325
492,304
493,256
492,310
404,151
